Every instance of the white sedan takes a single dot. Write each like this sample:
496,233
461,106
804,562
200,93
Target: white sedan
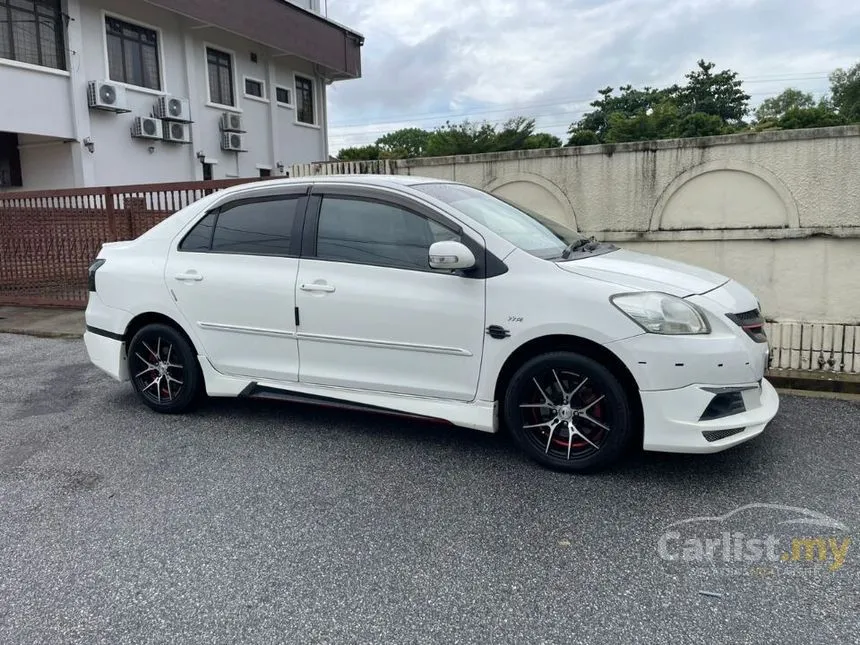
431,299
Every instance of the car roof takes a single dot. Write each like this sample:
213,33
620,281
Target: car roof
371,180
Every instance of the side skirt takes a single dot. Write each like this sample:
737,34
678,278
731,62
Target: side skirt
476,415
266,393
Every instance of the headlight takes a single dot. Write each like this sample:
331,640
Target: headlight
660,313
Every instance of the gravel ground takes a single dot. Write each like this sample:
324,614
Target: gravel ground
264,523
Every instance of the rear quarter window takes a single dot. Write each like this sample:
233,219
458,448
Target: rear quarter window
200,237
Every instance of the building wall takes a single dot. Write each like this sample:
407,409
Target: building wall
777,211
34,100
46,162
272,137
119,159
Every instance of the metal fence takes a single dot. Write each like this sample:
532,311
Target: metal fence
377,167
49,238
814,347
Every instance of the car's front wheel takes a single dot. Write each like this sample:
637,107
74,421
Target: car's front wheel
163,368
569,412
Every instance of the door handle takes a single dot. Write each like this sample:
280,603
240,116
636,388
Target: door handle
315,286
188,277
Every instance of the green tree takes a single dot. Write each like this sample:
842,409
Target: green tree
812,117
660,122
773,108
845,91
542,140
700,124
583,138
519,134
717,94
513,134
404,143
629,103
360,153
461,139
708,103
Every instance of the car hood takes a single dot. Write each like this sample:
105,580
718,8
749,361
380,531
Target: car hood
638,271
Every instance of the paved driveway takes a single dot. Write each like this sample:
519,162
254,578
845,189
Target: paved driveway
251,522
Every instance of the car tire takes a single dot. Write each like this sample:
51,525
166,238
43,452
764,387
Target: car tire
163,369
568,412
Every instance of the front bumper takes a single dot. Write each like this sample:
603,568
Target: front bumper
672,418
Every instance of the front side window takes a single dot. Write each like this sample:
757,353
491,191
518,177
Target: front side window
32,31
305,100
132,54
529,231
219,67
367,232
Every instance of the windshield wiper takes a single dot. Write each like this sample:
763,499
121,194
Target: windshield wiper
587,243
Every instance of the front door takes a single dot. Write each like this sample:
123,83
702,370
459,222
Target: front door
233,277
373,315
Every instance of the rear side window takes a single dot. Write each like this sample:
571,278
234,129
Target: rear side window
366,232
256,228
200,236
260,227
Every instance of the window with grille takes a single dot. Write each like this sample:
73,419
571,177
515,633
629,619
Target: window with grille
132,54
282,94
305,100
256,88
32,31
220,69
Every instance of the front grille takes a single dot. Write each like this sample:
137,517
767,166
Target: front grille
716,435
752,323
724,404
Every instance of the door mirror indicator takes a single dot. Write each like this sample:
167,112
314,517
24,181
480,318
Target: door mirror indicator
451,255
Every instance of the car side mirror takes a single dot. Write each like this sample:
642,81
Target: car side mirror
451,255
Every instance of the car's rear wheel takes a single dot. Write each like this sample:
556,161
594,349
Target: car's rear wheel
163,368
568,412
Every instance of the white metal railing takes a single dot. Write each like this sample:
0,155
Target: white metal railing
817,347
378,167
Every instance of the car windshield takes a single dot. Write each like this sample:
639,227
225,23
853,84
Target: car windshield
527,230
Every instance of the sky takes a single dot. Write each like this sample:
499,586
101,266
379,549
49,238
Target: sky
428,61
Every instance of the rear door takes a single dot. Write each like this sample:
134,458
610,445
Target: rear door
233,277
373,314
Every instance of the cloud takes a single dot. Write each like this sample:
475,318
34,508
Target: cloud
428,60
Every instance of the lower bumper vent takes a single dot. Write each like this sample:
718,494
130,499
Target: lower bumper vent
724,404
716,435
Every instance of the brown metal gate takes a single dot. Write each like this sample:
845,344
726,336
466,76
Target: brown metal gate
49,238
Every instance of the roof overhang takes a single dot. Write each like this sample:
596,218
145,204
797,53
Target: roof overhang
282,26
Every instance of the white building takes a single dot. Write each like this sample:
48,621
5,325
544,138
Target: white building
81,80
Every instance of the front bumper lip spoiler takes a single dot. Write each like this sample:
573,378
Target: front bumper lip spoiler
672,424
728,389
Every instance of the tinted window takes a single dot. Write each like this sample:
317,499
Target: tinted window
256,228
365,232
200,236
